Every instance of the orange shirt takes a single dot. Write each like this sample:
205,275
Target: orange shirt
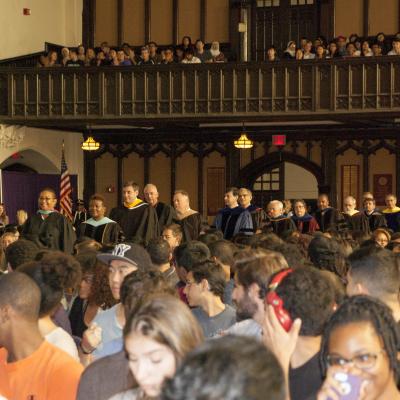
47,374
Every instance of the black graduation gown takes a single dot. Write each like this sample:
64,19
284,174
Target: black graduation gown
357,222
79,217
375,220
279,225
191,226
329,218
226,220
258,216
165,213
109,233
54,232
139,223
393,220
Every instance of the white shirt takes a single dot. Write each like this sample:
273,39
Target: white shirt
194,60
63,340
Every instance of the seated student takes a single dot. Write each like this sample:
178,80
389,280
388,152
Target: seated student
374,271
161,256
110,374
157,337
222,252
107,326
229,368
20,252
361,339
307,295
205,285
30,367
392,213
172,233
381,237
94,293
54,273
100,228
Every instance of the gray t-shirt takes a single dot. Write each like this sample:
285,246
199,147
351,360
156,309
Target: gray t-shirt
213,326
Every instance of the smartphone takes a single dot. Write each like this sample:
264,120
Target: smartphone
350,384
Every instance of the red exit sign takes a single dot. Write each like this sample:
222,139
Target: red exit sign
279,140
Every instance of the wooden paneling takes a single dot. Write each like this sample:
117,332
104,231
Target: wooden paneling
161,21
160,175
106,22
189,19
134,22
217,21
186,177
349,17
383,16
132,169
106,175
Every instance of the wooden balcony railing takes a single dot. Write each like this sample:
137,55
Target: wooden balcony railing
205,91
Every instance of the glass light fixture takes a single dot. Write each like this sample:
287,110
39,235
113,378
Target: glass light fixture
90,144
243,142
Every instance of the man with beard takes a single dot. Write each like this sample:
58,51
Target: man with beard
253,271
165,212
277,222
327,216
216,54
354,218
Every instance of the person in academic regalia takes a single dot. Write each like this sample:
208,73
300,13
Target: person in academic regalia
305,222
165,212
137,219
80,215
258,215
355,219
277,222
190,220
327,216
392,213
100,228
375,218
48,228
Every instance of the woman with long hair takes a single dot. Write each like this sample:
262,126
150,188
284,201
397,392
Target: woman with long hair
157,336
4,220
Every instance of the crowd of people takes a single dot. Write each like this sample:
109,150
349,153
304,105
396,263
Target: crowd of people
196,53
151,302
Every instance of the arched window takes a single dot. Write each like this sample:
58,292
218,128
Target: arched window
269,181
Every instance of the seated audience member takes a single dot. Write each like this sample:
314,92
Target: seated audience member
395,47
30,367
179,53
186,43
64,56
107,326
277,222
351,50
366,50
354,219
81,53
4,220
145,57
173,235
375,272
381,237
377,50
374,218
200,52
205,285
52,57
223,253
157,337
326,254
123,61
229,368
94,293
73,60
85,244
380,39
299,55
253,270
22,216
216,54
5,240
114,57
272,54
20,252
308,55
161,256
392,213
189,57
110,374
154,55
290,52
307,295
361,332
333,50
99,227
305,222
320,53
327,216
168,56
54,273
90,58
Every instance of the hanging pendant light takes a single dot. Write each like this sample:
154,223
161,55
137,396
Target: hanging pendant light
90,144
243,142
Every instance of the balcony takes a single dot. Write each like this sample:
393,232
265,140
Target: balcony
291,90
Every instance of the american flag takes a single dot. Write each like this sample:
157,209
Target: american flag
65,188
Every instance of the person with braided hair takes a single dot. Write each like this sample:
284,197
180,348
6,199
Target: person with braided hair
361,339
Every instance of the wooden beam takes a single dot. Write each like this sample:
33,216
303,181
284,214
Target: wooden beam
175,21
119,180
365,166
147,21
173,170
398,168
365,17
88,22
203,19
200,178
120,22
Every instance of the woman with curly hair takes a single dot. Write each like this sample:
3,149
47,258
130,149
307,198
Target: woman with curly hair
94,293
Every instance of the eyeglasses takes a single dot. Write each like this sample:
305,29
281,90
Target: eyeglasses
361,361
46,198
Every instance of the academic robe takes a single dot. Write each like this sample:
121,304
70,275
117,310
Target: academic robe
53,232
105,231
226,221
79,217
357,222
279,225
138,223
392,219
165,214
329,218
191,226
305,224
375,220
258,215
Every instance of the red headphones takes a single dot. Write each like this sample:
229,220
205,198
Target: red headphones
272,298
